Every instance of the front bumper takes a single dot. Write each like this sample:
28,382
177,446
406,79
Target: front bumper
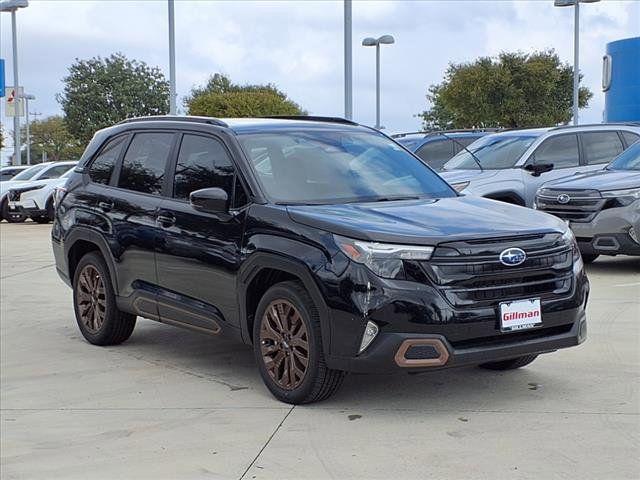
389,352
608,233
28,208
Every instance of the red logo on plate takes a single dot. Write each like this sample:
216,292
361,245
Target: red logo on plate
510,316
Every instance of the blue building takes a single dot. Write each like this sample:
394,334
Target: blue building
621,80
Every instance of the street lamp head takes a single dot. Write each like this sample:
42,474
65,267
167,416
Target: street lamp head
571,3
11,5
386,39
369,42
27,96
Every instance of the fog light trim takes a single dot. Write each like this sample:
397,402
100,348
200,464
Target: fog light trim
403,361
370,333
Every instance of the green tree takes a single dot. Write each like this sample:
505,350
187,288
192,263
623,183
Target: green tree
511,91
52,136
220,97
100,92
1,136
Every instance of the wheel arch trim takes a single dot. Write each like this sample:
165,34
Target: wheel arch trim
87,235
260,261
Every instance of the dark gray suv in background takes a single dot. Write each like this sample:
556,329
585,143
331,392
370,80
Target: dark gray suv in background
602,208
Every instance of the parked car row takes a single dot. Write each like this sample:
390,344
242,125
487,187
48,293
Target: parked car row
331,249
549,169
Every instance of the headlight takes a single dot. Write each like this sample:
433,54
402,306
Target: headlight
20,191
570,239
458,187
624,197
383,259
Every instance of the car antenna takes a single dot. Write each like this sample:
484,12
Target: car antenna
465,148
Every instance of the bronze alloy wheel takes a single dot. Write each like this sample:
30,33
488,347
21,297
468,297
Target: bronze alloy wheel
284,343
91,299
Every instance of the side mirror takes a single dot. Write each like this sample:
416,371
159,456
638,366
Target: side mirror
538,169
210,200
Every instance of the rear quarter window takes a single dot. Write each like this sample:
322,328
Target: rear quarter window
101,168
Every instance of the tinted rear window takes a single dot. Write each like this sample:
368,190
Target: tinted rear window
144,164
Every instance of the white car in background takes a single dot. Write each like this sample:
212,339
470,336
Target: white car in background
34,177
35,200
7,173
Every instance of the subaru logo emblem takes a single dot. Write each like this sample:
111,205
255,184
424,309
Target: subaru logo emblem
564,198
512,257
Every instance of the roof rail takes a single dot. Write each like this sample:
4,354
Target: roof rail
176,118
604,124
459,130
313,118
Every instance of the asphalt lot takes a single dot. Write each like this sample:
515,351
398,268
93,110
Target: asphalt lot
172,404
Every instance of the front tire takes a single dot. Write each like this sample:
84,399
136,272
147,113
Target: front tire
11,217
510,364
94,303
287,344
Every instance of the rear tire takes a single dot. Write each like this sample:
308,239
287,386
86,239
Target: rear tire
510,364
589,257
287,344
94,303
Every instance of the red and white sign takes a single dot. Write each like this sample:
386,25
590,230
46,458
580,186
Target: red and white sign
520,314
14,103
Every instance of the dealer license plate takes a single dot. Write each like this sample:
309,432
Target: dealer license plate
520,314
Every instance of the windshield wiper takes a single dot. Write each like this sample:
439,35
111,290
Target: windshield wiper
465,148
392,199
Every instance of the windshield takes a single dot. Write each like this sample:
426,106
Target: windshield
627,160
494,152
29,173
337,166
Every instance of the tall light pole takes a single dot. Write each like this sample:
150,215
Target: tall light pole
12,6
172,60
26,98
576,49
348,62
376,42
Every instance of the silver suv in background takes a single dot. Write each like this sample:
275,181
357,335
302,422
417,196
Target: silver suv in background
602,208
512,165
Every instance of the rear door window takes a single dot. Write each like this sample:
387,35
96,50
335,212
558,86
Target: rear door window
436,153
561,150
601,147
144,164
102,166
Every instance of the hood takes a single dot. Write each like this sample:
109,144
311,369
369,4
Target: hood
601,180
11,184
426,221
458,176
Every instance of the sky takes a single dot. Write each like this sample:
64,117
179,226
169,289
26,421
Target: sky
298,45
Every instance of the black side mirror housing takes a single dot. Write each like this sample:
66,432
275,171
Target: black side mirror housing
210,200
538,169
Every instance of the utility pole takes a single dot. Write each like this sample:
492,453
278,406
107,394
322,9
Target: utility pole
348,62
172,60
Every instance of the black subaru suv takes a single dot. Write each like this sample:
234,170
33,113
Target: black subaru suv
323,243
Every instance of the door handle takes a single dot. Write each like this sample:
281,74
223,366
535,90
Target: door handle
105,206
165,220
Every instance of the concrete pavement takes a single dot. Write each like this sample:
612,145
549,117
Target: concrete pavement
172,404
